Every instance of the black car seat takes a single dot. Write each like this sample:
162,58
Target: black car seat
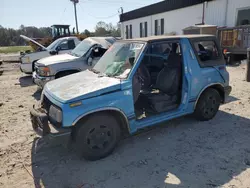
141,81
168,85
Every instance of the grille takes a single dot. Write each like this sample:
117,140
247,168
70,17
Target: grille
46,103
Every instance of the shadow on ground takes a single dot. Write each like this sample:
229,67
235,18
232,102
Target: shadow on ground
37,94
26,81
231,99
182,153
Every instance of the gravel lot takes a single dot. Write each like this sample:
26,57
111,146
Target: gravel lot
180,153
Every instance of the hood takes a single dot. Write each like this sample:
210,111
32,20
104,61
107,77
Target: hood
56,59
81,86
33,41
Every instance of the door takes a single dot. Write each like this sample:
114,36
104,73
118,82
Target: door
166,98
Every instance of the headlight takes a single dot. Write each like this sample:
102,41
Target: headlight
43,71
26,59
55,114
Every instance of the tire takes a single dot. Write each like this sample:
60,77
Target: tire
230,59
97,137
208,105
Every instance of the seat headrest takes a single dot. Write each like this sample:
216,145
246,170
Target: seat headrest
174,60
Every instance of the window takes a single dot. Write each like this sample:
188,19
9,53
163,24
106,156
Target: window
64,45
111,40
158,56
159,27
143,29
71,44
243,17
129,32
206,50
164,48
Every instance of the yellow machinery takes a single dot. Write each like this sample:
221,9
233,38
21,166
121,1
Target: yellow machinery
58,31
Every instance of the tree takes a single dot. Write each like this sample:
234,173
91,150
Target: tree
107,29
10,37
22,27
87,32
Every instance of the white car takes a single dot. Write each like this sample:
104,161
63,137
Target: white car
59,46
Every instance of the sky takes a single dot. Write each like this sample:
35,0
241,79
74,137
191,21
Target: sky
44,13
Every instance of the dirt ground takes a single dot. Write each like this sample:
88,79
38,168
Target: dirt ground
181,153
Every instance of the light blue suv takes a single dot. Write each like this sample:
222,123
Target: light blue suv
136,84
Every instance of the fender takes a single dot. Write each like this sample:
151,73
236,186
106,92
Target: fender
212,84
101,110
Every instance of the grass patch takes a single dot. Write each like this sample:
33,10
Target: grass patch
14,49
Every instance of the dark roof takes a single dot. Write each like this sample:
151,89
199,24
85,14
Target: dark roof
157,8
162,37
60,25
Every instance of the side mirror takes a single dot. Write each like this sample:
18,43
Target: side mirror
58,48
53,52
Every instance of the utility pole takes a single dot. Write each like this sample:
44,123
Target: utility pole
75,2
121,25
203,14
121,10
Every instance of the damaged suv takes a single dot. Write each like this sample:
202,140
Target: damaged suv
136,84
82,57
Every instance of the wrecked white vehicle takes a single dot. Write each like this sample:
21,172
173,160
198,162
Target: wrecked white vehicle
83,57
59,46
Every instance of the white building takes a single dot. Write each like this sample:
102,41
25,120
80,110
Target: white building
172,16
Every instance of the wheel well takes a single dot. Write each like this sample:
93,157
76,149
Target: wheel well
217,87
33,65
65,72
121,119
221,91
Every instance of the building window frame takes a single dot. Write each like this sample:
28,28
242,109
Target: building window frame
143,29
129,31
159,26
237,14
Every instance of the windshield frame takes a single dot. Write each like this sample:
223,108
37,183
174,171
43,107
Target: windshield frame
137,59
131,72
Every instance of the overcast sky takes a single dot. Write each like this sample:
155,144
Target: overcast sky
44,13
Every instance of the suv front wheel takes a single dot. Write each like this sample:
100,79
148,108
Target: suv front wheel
208,105
97,137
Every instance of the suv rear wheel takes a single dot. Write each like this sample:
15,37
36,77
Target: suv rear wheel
97,137
208,105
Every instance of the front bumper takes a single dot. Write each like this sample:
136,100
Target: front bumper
26,68
41,125
40,80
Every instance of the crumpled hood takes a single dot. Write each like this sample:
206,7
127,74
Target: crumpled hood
81,86
57,59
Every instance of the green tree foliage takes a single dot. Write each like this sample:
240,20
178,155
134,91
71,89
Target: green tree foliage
11,37
107,29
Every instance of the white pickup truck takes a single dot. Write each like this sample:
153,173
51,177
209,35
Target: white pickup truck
59,46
